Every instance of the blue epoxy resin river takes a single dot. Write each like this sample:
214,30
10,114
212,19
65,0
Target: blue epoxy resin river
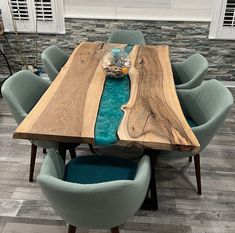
115,94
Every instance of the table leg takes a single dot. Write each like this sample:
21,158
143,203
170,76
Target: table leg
62,150
152,202
92,149
67,146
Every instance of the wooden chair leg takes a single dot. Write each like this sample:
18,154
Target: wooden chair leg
32,162
198,173
190,159
71,229
115,229
72,153
44,150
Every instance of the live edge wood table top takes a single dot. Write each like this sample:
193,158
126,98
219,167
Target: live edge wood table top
153,117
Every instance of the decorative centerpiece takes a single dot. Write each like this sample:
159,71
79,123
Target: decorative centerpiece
116,63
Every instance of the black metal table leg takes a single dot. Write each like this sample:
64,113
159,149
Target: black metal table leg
62,150
92,149
67,146
152,202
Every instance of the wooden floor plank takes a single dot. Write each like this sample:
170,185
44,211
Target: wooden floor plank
32,228
2,225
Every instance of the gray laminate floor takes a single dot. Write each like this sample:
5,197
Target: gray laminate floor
23,208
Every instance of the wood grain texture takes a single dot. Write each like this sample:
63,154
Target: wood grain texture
67,111
153,116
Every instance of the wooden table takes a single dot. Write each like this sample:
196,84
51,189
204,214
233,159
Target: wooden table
153,118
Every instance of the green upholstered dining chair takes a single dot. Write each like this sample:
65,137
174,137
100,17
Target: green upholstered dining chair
94,191
21,92
53,59
127,37
205,107
191,72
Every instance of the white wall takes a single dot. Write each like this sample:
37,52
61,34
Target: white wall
176,10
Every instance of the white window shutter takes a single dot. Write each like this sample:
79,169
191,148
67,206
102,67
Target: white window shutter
50,17
45,16
227,28
19,9
223,23
229,15
43,10
22,14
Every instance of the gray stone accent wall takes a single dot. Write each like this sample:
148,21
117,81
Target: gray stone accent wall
184,39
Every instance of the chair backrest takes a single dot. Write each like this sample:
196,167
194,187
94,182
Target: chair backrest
127,37
100,205
208,106
22,91
53,58
194,67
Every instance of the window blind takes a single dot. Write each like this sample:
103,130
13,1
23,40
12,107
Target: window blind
19,9
43,10
45,16
229,16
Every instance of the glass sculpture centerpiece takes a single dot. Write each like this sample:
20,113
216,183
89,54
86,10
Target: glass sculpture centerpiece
116,63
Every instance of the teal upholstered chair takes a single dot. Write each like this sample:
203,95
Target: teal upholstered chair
21,92
94,191
127,37
191,72
53,59
205,108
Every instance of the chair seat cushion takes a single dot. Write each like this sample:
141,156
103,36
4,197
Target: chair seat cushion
96,169
191,122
